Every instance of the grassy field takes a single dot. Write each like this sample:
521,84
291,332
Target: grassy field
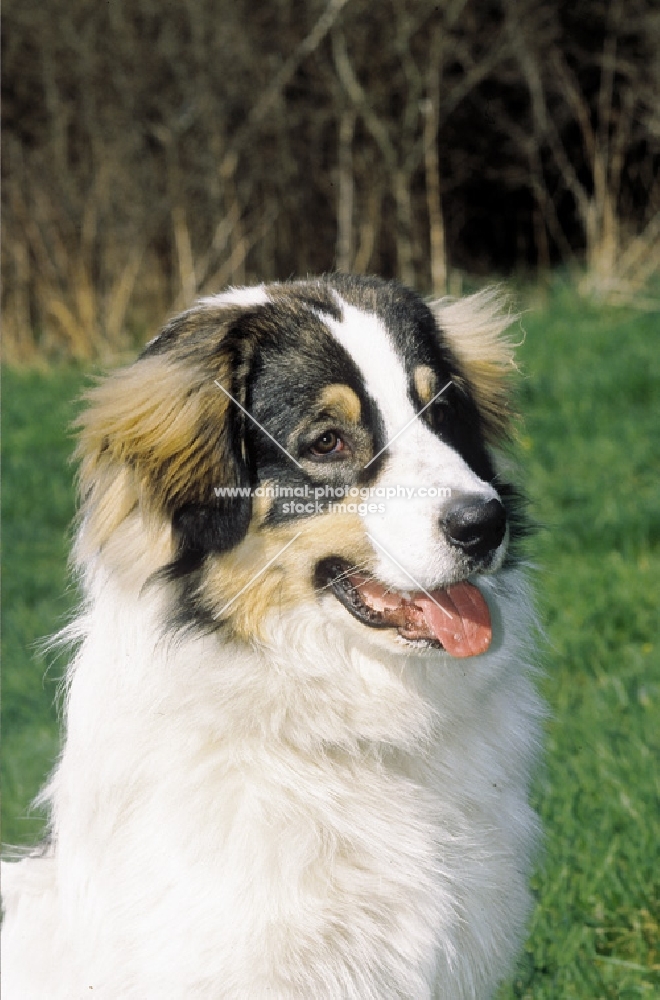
590,448
37,508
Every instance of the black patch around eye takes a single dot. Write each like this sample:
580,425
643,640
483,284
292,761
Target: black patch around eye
290,372
437,415
460,428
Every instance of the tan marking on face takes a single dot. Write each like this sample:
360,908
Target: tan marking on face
426,383
288,581
336,402
341,401
262,504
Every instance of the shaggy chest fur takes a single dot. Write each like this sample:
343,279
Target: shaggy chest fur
277,782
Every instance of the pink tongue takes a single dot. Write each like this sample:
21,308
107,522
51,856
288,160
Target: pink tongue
457,616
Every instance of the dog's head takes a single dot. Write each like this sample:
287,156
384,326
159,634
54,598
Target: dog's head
323,442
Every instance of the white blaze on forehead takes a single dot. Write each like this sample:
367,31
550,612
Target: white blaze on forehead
364,337
254,296
412,551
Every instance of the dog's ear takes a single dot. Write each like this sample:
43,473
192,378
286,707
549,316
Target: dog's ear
473,328
162,438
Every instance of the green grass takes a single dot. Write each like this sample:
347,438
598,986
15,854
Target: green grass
37,508
590,448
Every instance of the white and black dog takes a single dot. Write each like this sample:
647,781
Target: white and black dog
300,722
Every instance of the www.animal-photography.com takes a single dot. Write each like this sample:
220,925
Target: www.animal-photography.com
330,500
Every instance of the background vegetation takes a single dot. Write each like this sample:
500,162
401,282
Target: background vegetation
156,151
153,152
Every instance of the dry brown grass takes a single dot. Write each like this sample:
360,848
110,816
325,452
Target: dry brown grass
152,154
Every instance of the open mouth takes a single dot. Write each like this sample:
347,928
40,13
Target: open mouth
454,618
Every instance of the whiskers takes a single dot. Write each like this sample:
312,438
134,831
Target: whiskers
361,568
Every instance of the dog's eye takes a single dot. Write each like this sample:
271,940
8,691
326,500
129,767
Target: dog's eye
328,443
436,415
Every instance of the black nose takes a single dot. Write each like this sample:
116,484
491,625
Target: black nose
475,525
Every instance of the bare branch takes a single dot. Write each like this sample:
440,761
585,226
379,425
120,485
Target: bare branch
270,96
358,97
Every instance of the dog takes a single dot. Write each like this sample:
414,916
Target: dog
301,720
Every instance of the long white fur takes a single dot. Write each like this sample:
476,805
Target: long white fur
321,815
